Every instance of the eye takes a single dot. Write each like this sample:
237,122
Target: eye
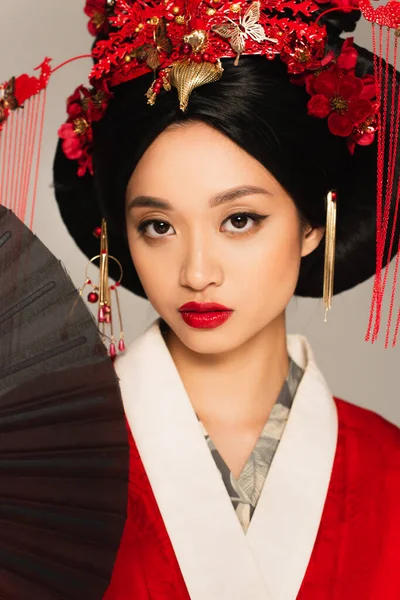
243,222
154,229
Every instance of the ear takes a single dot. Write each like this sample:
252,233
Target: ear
311,239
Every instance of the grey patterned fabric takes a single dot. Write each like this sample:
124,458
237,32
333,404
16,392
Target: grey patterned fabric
246,490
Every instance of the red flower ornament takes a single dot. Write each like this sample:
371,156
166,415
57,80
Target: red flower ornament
96,10
84,107
300,56
340,98
71,144
347,58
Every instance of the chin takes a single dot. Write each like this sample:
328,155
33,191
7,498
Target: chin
208,341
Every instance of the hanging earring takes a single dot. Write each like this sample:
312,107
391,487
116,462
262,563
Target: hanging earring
102,293
330,245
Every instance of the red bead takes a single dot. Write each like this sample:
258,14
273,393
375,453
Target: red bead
197,58
107,309
186,48
206,56
101,316
121,346
117,284
93,297
112,287
112,350
212,58
104,252
97,232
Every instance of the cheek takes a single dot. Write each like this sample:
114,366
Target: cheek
154,269
265,274
272,257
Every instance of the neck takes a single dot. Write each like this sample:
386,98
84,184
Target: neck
239,386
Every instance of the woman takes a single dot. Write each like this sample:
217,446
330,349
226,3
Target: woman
248,480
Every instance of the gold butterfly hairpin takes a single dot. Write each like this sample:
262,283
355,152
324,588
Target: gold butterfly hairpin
248,27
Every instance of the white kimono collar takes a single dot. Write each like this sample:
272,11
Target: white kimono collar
217,559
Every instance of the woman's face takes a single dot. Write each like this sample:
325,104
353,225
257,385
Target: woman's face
206,222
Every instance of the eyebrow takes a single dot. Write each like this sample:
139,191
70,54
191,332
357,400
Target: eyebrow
217,200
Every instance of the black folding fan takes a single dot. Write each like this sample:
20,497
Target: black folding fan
63,440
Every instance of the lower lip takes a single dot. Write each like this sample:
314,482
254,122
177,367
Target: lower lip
206,320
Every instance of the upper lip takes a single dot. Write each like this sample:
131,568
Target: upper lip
202,307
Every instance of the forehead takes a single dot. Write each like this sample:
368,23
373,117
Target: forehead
197,159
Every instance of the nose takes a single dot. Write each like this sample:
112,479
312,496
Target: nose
201,265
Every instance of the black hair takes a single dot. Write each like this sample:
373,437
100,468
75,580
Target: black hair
258,108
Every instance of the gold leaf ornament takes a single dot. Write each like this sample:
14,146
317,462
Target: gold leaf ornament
187,75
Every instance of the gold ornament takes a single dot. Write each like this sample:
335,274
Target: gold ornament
80,126
330,244
102,294
248,27
187,75
197,38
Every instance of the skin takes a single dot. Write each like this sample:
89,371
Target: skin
234,373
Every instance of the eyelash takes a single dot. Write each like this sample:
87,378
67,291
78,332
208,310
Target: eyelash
141,229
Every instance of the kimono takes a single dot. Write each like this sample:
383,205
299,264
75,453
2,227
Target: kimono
326,524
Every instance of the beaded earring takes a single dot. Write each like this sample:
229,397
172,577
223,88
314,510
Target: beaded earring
102,293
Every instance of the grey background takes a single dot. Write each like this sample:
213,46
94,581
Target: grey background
357,371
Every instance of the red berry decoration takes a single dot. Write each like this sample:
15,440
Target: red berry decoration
97,232
186,49
93,297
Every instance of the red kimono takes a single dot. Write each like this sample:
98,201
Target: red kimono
327,525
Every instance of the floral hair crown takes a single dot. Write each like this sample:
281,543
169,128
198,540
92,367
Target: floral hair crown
183,41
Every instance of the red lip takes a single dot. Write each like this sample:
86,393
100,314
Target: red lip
207,315
204,307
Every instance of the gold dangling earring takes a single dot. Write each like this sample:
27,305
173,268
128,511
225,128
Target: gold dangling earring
330,245
102,293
